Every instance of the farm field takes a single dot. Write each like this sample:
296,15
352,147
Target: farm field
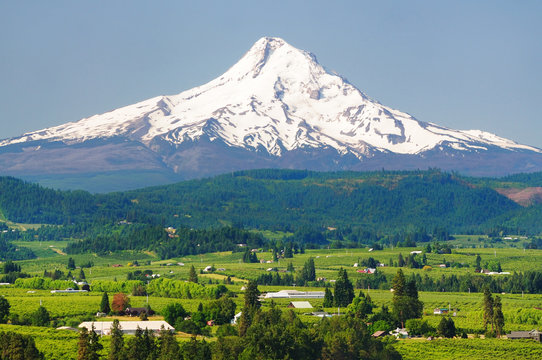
480,349
521,311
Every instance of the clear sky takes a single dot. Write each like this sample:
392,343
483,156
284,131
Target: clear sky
463,64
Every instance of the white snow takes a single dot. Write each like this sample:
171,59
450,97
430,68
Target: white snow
276,97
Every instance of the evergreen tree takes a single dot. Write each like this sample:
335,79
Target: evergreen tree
328,299
168,347
308,272
288,251
252,295
478,261
192,276
498,317
400,261
88,345
82,275
251,306
405,302
290,267
4,310
344,290
15,346
104,305
116,348
398,284
71,264
487,306
246,256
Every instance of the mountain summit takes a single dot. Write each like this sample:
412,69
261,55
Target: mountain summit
276,107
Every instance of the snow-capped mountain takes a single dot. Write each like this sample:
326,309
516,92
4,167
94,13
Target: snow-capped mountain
276,107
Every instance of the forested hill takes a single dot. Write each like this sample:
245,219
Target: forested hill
285,200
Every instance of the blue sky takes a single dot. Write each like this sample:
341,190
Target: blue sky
461,64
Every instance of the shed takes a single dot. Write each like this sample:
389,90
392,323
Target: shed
380,333
300,305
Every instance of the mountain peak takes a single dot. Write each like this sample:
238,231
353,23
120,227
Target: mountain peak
276,100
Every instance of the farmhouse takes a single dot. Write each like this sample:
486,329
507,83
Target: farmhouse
137,311
300,305
440,311
127,327
533,334
293,294
367,271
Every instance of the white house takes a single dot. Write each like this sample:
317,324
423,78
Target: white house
127,327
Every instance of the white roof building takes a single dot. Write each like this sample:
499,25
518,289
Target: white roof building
293,294
127,327
300,305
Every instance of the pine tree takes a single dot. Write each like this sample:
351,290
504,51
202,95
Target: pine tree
498,317
398,284
328,299
344,290
290,267
400,261
488,309
4,310
478,261
88,345
116,348
192,276
82,275
252,295
405,302
168,347
308,272
71,264
104,305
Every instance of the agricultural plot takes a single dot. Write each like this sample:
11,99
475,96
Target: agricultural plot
520,310
479,349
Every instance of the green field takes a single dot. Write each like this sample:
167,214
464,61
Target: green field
520,310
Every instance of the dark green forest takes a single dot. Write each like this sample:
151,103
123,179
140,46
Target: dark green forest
366,206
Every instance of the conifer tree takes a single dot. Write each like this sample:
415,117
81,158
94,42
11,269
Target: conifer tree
116,348
344,290
168,347
400,261
4,310
104,305
71,264
192,276
328,299
290,267
488,309
498,317
252,295
405,302
88,345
